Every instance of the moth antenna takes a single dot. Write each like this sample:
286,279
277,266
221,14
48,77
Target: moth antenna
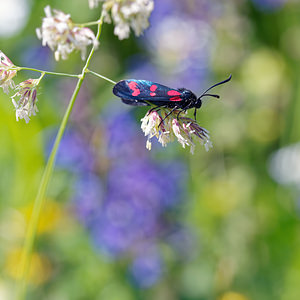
211,95
219,83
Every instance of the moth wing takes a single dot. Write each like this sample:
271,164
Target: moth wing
139,91
134,102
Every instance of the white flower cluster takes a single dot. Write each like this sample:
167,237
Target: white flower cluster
126,14
26,105
170,126
63,36
26,91
6,73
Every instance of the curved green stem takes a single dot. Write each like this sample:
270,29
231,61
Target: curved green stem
41,77
101,76
88,24
45,72
40,198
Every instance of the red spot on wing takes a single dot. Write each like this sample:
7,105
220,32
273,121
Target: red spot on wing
133,86
153,87
152,94
136,92
173,93
176,98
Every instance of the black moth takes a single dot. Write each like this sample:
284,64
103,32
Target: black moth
143,93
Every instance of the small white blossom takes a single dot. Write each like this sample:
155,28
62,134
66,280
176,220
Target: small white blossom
148,145
128,13
63,36
198,131
170,127
183,134
153,125
164,138
150,123
26,105
6,73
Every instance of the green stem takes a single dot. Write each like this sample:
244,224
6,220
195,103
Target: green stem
45,72
88,23
101,76
41,77
40,198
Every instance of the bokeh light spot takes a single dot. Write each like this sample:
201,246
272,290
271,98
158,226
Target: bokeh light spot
13,16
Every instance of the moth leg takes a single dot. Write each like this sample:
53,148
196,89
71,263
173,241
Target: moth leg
195,114
173,109
157,108
183,110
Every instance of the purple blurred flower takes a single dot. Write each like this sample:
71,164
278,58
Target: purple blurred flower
87,198
196,9
182,241
146,268
135,209
138,195
36,55
75,153
139,176
124,139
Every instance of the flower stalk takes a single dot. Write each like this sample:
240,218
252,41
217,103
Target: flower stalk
46,72
101,76
40,198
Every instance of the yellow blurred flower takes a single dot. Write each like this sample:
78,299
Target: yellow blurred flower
50,216
233,296
40,266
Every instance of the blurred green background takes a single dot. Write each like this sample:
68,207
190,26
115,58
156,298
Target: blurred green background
230,227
